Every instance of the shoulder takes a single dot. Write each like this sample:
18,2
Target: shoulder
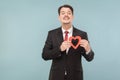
78,30
81,33
55,30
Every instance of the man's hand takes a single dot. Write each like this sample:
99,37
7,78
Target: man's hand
85,44
65,45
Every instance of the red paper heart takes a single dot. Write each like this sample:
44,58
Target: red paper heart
75,38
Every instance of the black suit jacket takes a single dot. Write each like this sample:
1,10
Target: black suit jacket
61,61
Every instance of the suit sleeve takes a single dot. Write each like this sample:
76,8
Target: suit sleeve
90,55
50,52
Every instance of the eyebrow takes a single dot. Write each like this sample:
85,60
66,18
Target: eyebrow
64,11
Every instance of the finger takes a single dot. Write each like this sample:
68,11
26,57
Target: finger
82,45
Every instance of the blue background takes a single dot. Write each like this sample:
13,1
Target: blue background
24,25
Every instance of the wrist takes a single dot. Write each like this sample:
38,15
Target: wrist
88,51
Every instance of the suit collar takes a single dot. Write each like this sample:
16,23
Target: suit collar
74,31
60,34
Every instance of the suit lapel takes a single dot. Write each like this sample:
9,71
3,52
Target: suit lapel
74,34
59,36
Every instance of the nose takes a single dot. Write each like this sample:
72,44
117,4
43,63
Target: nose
66,14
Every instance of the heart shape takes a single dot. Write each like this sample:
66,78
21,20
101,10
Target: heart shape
75,38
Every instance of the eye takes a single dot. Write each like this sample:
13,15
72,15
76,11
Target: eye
62,13
69,13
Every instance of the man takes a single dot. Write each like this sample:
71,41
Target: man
66,61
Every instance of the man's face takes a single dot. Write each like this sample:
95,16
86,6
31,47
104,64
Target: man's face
65,16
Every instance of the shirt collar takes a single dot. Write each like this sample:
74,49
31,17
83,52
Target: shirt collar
69,30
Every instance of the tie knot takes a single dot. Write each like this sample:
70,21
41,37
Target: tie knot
66,35
66,32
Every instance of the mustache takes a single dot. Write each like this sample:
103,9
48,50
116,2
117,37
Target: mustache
66,17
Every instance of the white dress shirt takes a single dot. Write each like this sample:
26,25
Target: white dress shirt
70,30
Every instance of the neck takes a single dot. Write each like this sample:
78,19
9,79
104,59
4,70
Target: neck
66,26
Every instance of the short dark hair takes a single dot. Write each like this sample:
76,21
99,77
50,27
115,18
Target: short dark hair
66,6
